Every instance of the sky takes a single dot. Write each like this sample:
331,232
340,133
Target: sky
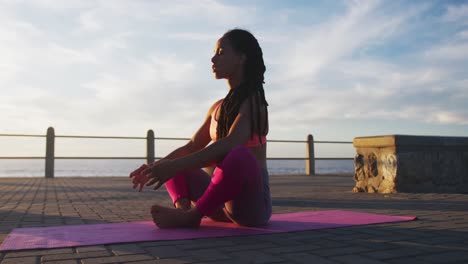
335,69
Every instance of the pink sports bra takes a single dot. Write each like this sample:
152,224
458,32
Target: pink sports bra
253,142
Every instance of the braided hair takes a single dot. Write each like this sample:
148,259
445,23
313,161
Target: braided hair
244,42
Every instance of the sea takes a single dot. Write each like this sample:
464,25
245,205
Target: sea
103,168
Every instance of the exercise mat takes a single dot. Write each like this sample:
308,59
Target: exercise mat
99,234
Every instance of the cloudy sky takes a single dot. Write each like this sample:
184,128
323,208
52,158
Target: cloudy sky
335,69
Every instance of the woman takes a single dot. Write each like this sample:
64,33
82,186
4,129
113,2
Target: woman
238,190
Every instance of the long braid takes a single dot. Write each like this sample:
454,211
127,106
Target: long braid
254,69
230,109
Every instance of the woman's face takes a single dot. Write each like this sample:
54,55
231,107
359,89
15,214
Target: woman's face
227,63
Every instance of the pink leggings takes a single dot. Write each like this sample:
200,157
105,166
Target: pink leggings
237,183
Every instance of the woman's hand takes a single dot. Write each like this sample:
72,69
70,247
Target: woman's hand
141,175
138,178
159,173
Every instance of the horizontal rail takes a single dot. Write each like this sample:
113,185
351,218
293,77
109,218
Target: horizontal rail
286,141
100,137
132,158
22,158
97,137
281,158
169,138
304,141
105,137
276,158
99,158
80,158
21,135
334,142
334,158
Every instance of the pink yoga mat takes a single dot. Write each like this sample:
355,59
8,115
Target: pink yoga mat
99,234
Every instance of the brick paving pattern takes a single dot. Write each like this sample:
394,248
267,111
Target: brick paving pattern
440,235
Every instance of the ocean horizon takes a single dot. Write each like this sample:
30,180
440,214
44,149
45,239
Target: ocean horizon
103,168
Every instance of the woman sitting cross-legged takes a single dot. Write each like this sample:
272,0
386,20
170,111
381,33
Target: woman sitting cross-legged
238,191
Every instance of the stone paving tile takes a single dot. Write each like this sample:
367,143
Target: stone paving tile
63,262
421,246
171,261
354,259
412,233
166,252
349,237
167,243
225,261
306,236
43,252
443,239
21,260
325,243
126,249
207,255
327,252
247,247
93,254
306,258
161,261
204,244
374,244
91,249
117,259
411,260
289,249
285,241
254,257
446,257
393,253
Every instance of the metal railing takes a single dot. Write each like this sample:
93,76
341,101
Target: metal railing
150,149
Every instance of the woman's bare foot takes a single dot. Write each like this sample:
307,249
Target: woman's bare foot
165,217
183,203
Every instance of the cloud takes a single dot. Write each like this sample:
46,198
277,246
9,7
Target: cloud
51,5
319,46
456,13
371,90
425,114
462,34
445,117
450,51
141,94
193,36
89,21
197,18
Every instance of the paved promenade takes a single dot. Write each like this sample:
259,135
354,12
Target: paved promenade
440,235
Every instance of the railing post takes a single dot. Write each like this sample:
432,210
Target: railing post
310,162
150,147
50,153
